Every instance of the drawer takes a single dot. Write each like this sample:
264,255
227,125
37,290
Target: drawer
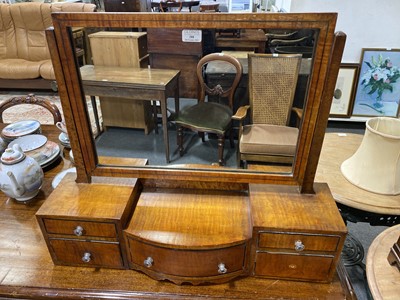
80,228
86,253
188,263
298,242
293,266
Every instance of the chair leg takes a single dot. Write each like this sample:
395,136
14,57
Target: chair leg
231,140
180,140
221,142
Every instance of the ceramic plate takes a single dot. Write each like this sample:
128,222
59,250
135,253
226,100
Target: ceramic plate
57,179
20,128
71,157
45,154
29,142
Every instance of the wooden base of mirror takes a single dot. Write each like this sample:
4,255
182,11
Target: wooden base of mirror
195,235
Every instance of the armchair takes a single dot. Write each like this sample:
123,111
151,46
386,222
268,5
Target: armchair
211,117
272,85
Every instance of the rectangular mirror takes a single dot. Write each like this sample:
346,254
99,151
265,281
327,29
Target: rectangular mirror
121,103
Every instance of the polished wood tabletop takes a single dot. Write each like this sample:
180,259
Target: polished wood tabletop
338,147
27,271
383,279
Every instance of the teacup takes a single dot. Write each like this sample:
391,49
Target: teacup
62,127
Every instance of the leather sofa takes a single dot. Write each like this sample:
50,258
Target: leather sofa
25,61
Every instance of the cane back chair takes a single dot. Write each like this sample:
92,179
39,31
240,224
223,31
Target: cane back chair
272,85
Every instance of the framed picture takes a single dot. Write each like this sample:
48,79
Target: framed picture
343,97
378,87
240,6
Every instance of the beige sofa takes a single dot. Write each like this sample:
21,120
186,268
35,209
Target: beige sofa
24,55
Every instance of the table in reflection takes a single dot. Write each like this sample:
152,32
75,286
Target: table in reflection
143,84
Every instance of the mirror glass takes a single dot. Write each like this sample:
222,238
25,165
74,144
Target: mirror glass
142,130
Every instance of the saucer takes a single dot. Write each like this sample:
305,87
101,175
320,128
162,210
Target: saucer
21,128
46,154
57,179
29,142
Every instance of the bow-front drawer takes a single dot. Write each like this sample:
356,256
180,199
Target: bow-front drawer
78,228
298,241
89,254
187,263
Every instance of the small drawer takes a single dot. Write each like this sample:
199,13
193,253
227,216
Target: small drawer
298,242
188,263
84,253
80,228
293,266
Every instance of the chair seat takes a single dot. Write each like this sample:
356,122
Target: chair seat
206,117
269,140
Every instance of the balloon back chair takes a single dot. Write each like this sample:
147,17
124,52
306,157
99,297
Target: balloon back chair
272,85
211,116
32,100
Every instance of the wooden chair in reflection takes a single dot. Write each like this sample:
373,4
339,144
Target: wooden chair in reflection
169,5
272,85
32,100
211,117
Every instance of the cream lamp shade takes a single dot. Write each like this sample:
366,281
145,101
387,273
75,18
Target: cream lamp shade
375,166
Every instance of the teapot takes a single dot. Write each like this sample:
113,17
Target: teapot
21,177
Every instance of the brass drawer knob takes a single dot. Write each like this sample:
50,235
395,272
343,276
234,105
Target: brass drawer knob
148,262
78,231
86,257
222,269
298,245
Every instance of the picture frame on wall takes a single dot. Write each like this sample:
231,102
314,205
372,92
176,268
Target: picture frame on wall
378,86
343,96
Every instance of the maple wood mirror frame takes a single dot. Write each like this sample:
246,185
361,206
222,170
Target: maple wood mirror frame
326,62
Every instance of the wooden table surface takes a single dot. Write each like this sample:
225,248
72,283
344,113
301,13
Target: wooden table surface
383,279
27,271
336,149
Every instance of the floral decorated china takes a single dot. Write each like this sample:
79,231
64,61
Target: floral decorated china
3,145
30,142
46,154
20,176
21,128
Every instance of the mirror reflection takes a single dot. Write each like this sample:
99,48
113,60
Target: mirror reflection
141,86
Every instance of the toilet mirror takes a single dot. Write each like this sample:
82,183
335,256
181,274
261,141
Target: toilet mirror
170,41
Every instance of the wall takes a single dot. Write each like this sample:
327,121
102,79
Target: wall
367,23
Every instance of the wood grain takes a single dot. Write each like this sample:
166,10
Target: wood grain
335,150
383,279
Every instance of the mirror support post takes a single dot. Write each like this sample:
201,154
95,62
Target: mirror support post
323,115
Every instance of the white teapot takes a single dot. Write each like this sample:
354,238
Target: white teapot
21,177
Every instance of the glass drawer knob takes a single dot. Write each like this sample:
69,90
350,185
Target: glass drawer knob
148,262
86,257
222,269
299,246
78,231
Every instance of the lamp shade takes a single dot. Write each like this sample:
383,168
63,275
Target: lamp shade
375,166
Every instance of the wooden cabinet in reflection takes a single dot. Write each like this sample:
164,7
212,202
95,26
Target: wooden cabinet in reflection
122,49
127,5
168,51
